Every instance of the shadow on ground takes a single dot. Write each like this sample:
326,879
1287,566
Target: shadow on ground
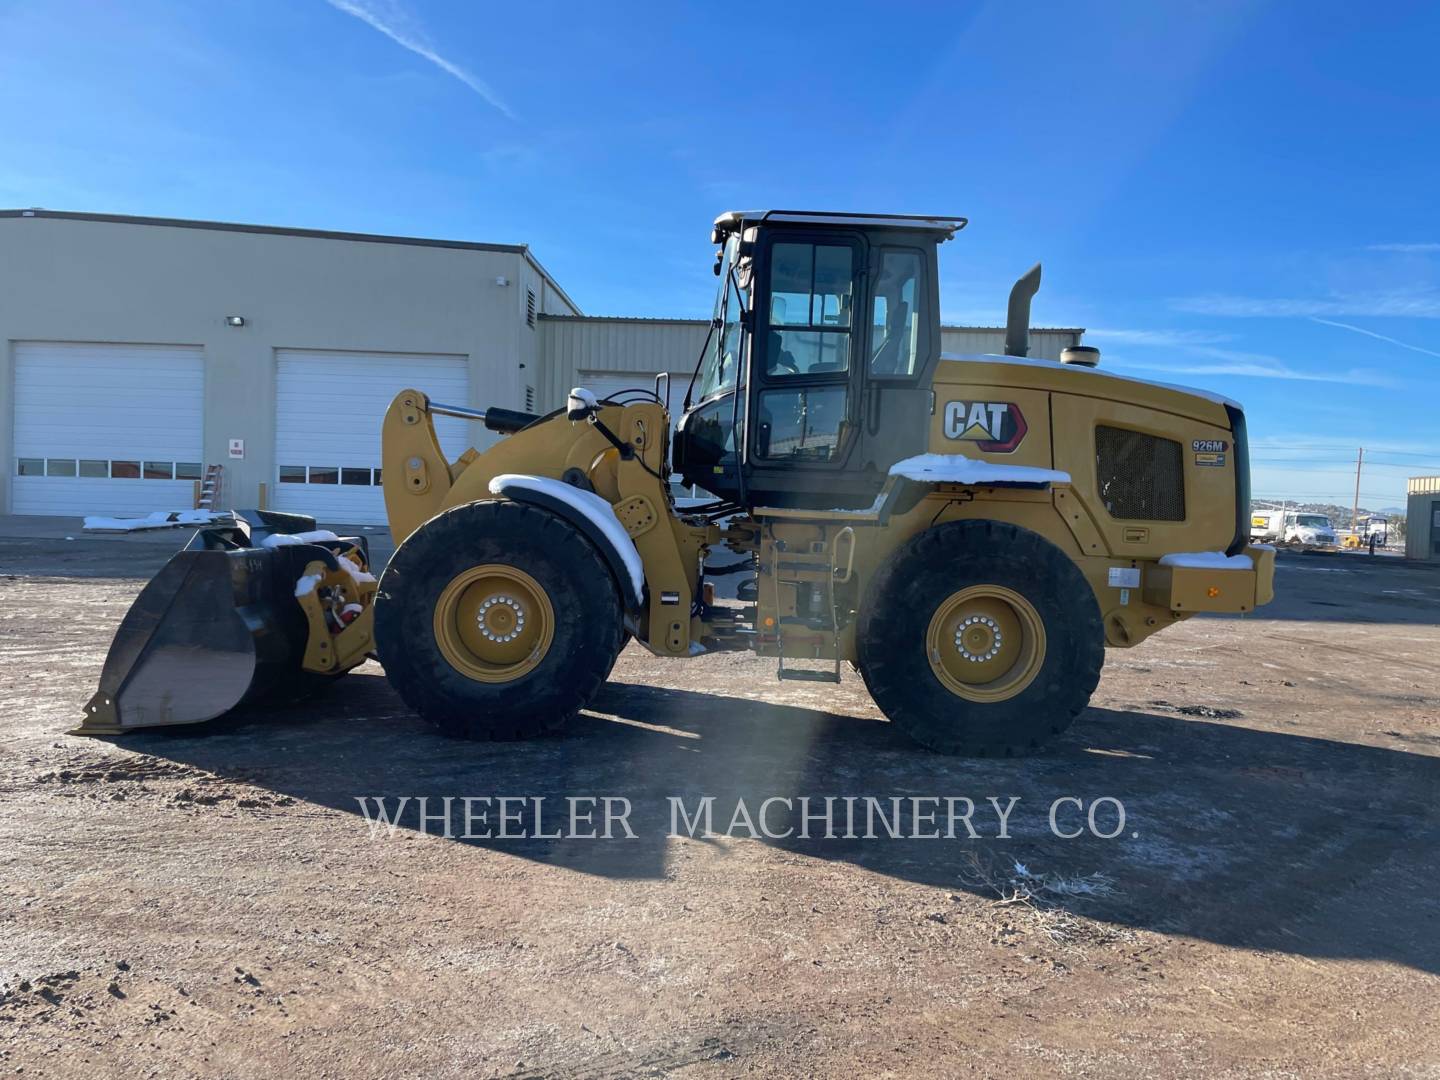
1245,837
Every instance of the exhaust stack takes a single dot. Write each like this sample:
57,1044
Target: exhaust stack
1017,318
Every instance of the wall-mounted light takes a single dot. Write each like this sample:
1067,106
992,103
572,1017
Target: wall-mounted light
502,281
234,320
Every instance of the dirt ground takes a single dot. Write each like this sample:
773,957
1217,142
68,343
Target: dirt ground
211,902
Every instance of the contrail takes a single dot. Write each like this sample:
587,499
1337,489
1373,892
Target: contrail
1371,333
408,39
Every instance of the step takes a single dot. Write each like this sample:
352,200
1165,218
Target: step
805,675
809,624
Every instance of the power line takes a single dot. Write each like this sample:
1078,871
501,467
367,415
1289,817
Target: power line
1303,462
1334,498
1402,453
1334,449
1266,456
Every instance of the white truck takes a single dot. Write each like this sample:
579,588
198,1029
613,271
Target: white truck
1377,527
1292,527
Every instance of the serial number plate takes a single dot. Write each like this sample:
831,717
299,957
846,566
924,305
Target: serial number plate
1124,577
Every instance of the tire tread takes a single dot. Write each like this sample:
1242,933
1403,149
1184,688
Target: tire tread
940,561
586,641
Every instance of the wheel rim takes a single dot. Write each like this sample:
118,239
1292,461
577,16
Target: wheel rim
494,623
986,643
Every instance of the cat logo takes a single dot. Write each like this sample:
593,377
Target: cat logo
995,427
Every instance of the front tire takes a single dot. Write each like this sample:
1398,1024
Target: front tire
497,620
980,638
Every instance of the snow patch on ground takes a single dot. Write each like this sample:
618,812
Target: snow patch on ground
1207,560
959,469
596,509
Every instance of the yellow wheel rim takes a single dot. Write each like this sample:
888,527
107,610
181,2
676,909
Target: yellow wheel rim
986,643
494,623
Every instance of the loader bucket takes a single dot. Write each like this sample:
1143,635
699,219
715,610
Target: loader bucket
217,626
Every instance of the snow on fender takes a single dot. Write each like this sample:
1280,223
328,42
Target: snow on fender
1207,560
959,469
590,506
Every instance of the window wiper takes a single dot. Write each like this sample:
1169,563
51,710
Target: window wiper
685,406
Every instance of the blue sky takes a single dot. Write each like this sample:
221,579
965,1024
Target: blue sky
1244,197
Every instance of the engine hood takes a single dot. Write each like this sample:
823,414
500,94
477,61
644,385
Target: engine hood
1033,374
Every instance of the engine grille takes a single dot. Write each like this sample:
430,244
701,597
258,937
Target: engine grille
1141,477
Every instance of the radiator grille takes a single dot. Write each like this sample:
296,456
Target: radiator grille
1142,477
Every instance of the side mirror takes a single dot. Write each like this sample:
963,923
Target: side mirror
581,404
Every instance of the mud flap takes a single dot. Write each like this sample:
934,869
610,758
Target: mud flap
219,625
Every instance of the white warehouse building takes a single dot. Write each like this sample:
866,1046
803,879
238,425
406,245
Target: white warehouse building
139,355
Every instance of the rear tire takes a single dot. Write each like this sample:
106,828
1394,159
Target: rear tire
980,638
497,620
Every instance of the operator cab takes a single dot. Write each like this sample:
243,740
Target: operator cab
816,375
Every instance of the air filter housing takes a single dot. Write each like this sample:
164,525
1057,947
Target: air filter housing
1081,356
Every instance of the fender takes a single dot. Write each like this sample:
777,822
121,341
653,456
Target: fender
594,518
914,478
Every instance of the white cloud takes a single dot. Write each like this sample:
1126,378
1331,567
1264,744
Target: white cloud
512,157
1195,352
1407,249
1417,304
399,26
1302,442
1259,370
1172,338
1373,334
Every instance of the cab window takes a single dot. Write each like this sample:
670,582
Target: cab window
811,305
802,423
721,367
895,317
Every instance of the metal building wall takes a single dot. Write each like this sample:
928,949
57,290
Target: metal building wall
1045,343
77,278
1421,510
571,344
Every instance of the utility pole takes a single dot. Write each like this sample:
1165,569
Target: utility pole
1355,511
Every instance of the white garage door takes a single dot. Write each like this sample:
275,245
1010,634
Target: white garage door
329,407
107,429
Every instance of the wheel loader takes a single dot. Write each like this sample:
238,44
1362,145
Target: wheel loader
969,533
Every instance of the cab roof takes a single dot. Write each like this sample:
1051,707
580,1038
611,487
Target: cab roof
734,220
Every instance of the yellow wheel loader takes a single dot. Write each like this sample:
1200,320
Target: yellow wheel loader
968,532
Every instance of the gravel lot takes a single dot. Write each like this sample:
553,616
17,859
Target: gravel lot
211,902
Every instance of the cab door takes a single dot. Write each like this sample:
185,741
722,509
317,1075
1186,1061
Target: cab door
903,348
807,357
